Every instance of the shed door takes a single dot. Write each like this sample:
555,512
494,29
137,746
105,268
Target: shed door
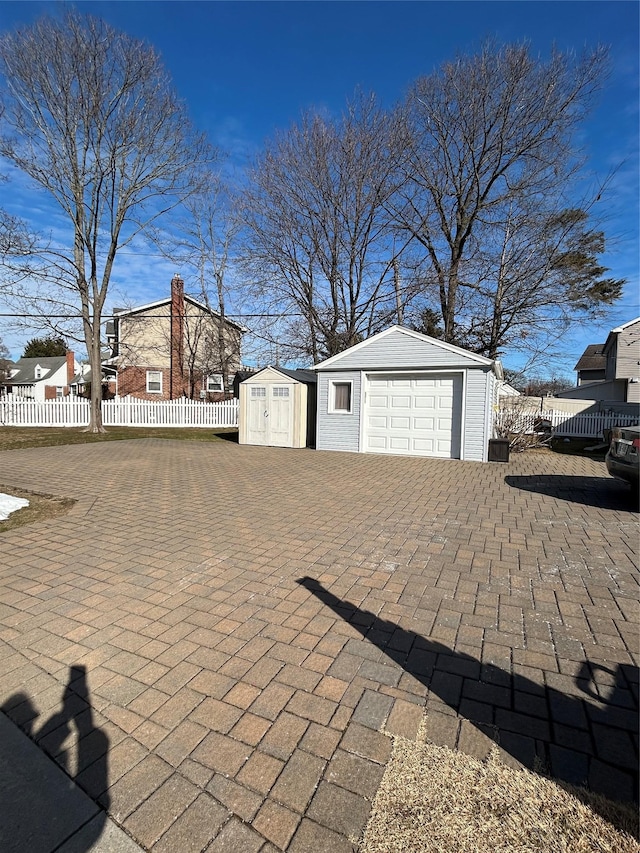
280,426
258,416
270,415
414,415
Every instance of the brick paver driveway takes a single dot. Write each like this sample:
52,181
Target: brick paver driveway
247,626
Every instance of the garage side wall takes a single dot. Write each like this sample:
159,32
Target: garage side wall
478,397
339,431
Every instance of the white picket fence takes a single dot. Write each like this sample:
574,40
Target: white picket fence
122,411
580,425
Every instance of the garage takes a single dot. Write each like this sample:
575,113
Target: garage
403,393
277,408
415,415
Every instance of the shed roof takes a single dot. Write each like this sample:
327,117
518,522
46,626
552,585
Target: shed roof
308,377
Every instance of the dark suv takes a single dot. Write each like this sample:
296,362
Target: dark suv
623,456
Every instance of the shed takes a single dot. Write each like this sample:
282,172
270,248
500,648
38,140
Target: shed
278,408
402,392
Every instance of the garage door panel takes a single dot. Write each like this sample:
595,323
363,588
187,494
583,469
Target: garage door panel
423,446
424,424
400,402
378,421
379,401
423,402
378,442
400,423
416,416
399,444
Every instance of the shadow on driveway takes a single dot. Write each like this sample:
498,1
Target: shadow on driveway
600,492
574,740
40,807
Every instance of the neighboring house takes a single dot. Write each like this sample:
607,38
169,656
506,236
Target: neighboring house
405,393
81,384
621,380
592,365
173,348
42,378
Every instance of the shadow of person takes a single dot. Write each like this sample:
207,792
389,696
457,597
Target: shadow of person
584,743
55,810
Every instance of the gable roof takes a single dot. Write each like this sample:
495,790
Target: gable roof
139,309
625,325
593,358
462,354
305,376
26,368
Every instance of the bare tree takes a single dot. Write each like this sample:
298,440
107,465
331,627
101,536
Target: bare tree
489,165
92,119
202,239
320,246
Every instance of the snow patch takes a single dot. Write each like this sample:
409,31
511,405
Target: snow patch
9,504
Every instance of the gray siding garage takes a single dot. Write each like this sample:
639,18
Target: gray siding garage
405,393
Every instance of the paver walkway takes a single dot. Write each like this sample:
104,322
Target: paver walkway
218,640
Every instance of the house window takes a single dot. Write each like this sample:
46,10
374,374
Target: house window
38,372
59,392
154,381
340,397
215,382
257,391
280,391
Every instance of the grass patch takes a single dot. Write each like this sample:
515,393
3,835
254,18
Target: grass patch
435,800
16,438
41,508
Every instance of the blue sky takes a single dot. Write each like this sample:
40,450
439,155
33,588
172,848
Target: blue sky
247,69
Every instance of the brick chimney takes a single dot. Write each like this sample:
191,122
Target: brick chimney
176,377
71,371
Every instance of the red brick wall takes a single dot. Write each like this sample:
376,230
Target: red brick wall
50,392
133,381
177,386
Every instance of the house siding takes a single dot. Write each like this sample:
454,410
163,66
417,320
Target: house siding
480,395
399,351
339,431
628,352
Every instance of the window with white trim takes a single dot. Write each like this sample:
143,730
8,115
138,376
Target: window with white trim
154,382
215,382
340,394
258,391
280,391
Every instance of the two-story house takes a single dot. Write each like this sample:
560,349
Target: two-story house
611,371
175,347
42,378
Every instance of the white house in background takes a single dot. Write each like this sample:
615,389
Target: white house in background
43,378
405,393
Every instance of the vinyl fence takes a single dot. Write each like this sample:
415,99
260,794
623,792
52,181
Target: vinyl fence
122,411
580,425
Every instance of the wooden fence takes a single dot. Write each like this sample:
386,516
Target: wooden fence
580,425
122,411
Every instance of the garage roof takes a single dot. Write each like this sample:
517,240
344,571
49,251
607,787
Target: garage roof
455,355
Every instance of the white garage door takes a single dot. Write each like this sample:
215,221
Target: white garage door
414,415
